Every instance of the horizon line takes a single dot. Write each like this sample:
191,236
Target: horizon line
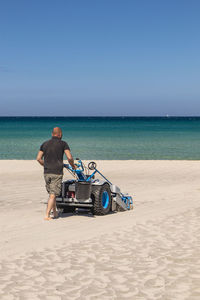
96,116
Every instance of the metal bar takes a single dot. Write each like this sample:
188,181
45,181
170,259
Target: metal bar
74,205
91,175
103,176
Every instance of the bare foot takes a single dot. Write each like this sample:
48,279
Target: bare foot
47,218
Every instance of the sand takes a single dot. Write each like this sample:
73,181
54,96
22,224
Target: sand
151,252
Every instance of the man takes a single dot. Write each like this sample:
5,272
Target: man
52,151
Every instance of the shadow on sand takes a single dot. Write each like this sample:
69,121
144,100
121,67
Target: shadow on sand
81,212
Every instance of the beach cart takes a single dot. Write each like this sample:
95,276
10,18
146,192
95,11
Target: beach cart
100,196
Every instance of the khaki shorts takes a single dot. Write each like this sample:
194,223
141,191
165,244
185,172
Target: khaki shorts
53,183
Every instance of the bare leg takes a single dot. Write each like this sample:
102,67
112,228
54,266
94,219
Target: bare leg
55,213
51,205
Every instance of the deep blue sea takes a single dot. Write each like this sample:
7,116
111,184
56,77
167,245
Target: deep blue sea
104,137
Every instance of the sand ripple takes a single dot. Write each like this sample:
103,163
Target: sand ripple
156,260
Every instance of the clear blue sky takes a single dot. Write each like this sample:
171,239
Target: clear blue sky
99,57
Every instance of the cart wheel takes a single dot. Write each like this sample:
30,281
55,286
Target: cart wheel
101,199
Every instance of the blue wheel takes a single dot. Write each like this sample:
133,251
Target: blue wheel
105,199
101,199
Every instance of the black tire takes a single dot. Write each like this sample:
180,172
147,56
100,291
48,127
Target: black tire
101,199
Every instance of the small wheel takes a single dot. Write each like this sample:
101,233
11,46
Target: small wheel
92,165
101,199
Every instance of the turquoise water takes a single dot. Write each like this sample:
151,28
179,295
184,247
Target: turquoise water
104,137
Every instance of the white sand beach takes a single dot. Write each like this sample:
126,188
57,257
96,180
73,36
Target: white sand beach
151,252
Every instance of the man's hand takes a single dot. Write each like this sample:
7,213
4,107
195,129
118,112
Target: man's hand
70,159
39,158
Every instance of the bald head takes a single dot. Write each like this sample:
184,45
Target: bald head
57,132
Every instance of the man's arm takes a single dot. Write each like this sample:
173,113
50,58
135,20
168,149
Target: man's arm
39,158
70,159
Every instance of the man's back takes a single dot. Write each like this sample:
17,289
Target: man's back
53,150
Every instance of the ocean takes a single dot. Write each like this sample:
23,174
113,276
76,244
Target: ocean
112,138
